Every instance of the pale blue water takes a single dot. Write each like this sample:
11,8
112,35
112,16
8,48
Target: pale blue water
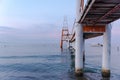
47,62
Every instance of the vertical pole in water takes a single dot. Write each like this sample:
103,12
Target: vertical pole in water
68,44
78,42
106,52
83,52
61,42
78,50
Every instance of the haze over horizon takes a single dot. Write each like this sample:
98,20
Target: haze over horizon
39,20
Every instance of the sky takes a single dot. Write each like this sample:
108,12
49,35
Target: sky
38,20
34,20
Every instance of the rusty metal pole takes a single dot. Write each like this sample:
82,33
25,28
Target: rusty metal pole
61,42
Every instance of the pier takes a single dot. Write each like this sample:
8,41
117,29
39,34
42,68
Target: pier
93,18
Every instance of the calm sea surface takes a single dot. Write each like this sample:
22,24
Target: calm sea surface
47,62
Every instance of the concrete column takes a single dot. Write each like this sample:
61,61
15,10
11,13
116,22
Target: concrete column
106,52
68,44
83,52
78,10
73,44
79,50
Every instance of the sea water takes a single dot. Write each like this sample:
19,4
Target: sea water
48,62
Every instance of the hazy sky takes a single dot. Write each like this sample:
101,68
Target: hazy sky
34,20
37,20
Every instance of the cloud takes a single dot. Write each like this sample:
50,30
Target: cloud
36,32
7,30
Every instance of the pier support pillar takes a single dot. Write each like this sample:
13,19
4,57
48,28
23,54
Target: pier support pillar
78,50
83,53
106,52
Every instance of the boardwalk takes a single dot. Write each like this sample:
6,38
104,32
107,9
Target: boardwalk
93,18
